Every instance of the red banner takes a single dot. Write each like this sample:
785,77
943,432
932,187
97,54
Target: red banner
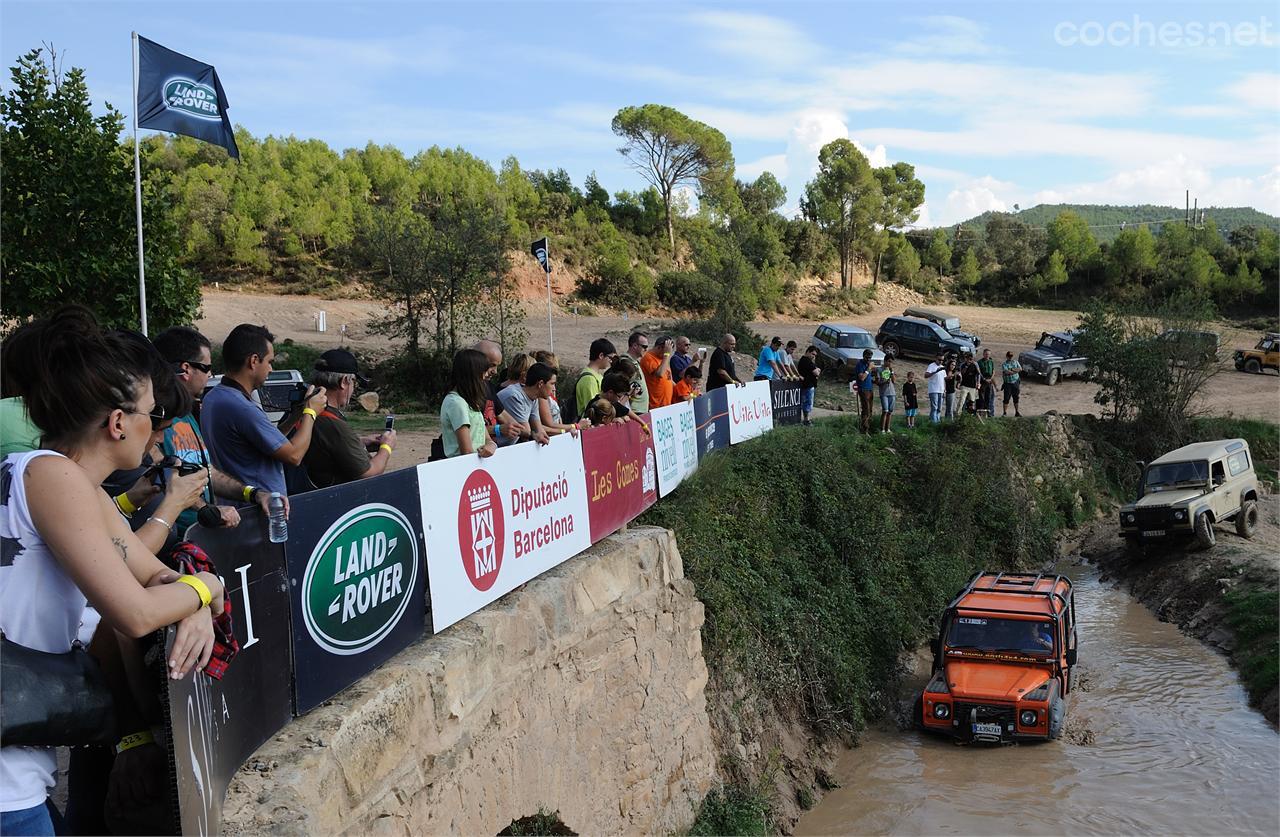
621,474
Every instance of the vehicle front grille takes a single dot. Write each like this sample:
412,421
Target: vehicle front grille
986,714
1153,517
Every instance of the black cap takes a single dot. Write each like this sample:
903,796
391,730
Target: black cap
343,363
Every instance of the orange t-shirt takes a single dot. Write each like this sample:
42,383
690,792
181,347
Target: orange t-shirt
659,386
682,390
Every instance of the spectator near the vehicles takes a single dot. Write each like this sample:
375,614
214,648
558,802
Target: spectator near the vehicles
910,400
601,355
616,389
770,362
242,440
549,412
521,400
500,427
683,358
626,365
188,352
656,366
66,544
1011,383
953,387
987,383
721,370
338,454
864,384
637,345
516,368
935,376
970,376
808,368
599,412
462,422
789,360
689,386
885,384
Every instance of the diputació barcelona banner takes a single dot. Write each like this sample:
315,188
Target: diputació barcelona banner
494,523
621,475
217,724
357,581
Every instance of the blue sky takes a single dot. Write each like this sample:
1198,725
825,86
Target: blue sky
995,103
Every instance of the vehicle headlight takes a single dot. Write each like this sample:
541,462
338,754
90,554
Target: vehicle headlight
941,710
1028,717
1179,515
1129,518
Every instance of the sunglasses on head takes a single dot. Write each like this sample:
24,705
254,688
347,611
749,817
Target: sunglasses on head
157,418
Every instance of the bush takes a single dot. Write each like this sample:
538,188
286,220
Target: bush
691,291
613,281
406,380
733,809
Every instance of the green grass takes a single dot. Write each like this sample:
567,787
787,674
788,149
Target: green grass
733,809
1252,615
374,422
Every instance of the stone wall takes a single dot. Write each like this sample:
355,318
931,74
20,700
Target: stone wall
582,691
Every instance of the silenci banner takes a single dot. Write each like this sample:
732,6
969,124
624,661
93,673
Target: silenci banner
621,475
217,724
492,524
750,411
786,402
357,581
675,443
711,415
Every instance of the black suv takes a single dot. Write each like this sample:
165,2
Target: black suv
902,336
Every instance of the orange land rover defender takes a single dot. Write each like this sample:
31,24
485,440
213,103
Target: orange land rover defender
1002,661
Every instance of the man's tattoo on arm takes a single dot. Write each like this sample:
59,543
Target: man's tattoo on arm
120,545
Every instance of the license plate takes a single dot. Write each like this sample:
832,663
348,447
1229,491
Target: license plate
1153,533
987,729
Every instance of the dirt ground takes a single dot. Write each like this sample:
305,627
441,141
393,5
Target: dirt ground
1001,329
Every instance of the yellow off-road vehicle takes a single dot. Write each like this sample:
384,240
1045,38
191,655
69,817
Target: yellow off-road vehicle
1265,355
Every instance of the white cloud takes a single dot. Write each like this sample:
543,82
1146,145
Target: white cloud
1260,91
974,197
776,164
757,38
951,35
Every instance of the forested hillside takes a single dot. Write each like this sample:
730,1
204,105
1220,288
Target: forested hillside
1106,220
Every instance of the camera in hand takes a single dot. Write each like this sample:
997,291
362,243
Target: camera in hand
209,517
173,463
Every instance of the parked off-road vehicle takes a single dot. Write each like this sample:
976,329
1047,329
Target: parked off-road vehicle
909,336
1055,357
951,324
1265,355
1186,491
840,347
1003,660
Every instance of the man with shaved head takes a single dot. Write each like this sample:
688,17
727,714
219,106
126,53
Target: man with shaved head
501,425
721,371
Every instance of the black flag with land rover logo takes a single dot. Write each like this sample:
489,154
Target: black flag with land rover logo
181,95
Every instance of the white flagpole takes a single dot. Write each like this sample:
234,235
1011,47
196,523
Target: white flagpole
137,191
551,335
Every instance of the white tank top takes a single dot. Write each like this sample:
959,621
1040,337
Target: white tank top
40,608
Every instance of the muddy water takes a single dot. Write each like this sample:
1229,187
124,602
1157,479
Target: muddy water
1159,740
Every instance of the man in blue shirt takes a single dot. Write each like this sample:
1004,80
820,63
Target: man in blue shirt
771,362
864,382
242,440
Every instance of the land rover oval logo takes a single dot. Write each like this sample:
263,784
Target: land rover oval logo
359,579
192,98
481,529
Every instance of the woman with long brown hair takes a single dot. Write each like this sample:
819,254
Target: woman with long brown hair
462,428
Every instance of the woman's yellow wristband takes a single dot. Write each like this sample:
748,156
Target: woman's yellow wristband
125,505
307,411
385,446
199,586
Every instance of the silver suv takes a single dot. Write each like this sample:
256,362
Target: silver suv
1186,491
841,346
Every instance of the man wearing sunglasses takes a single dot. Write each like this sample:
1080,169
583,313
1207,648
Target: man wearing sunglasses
188,351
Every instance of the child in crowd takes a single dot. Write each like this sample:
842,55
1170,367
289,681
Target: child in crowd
885,383
688,387
600,411
910,405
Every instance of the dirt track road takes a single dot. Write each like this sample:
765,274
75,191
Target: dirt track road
1001,329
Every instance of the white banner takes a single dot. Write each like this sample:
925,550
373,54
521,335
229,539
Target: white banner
493,524
675,443
750,411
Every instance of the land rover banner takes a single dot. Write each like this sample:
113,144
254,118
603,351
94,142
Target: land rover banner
182,95
217,724
492,524
750,411
357,581
675,443
786,402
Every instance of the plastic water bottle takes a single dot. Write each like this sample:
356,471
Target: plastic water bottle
277,525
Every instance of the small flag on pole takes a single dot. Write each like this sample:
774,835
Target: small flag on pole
183,96
539,250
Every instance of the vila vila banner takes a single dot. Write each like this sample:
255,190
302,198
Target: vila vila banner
492,524
621,475
750,411
675,443
786,402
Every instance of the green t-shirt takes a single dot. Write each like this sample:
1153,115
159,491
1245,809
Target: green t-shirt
640,404
455,412
987,367
588,387
17,433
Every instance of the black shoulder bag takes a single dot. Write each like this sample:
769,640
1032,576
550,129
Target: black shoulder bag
53,700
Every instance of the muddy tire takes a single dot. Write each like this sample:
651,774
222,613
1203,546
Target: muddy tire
1205,535
1054,375
1252,365
1247,519
917,713
1057,713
